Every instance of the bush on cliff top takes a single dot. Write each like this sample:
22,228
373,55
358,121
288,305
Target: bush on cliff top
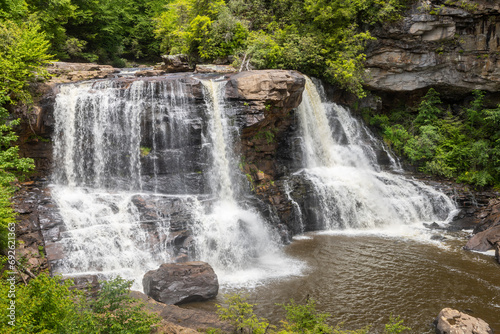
321,38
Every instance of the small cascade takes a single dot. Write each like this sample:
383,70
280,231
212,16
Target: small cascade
350,188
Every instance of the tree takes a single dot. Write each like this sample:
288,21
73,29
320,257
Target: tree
23,53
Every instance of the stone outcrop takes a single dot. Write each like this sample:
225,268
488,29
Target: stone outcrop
87,283
438,44
270,91
149,73
31,252
222,69
451,321
487,231
177,283
175,63
177,320
70,72
485,240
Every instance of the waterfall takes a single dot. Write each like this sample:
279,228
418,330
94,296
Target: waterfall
350,188
145,172
234,237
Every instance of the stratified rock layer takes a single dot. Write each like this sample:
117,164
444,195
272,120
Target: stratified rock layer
177,283
438,45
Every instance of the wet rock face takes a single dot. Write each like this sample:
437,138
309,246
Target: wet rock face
451,321
178,283
444,46
31,249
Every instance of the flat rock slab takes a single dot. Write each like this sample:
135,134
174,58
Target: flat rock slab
451,321
177,283
177,320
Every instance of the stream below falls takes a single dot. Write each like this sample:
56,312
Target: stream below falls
362,278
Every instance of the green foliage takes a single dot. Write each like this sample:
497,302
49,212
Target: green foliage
300,318
48,305
395,326
114,311
320,38
464,146
428,110
7,215
23,53
303,318
145,151
265,134
240,314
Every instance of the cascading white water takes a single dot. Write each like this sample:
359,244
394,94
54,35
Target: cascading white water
237,241
99,179
131,162
351,189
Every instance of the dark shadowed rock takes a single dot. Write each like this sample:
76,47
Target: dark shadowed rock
451,321
497,251
175,63
176,283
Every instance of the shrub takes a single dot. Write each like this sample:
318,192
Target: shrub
49,305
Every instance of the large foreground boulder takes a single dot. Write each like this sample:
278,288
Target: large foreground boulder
177,283
451,321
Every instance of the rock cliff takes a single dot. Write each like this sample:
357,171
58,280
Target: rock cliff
448,45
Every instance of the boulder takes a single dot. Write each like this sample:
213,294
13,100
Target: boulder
484,241
149,73
177,283
175,63
451,321
271,91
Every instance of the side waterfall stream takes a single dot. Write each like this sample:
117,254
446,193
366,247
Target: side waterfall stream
144,173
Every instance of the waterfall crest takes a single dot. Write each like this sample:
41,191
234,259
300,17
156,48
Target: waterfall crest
350,188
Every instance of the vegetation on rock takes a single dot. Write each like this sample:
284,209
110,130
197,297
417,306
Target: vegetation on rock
23,53
463,145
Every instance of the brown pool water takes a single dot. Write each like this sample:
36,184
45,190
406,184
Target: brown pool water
362,279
